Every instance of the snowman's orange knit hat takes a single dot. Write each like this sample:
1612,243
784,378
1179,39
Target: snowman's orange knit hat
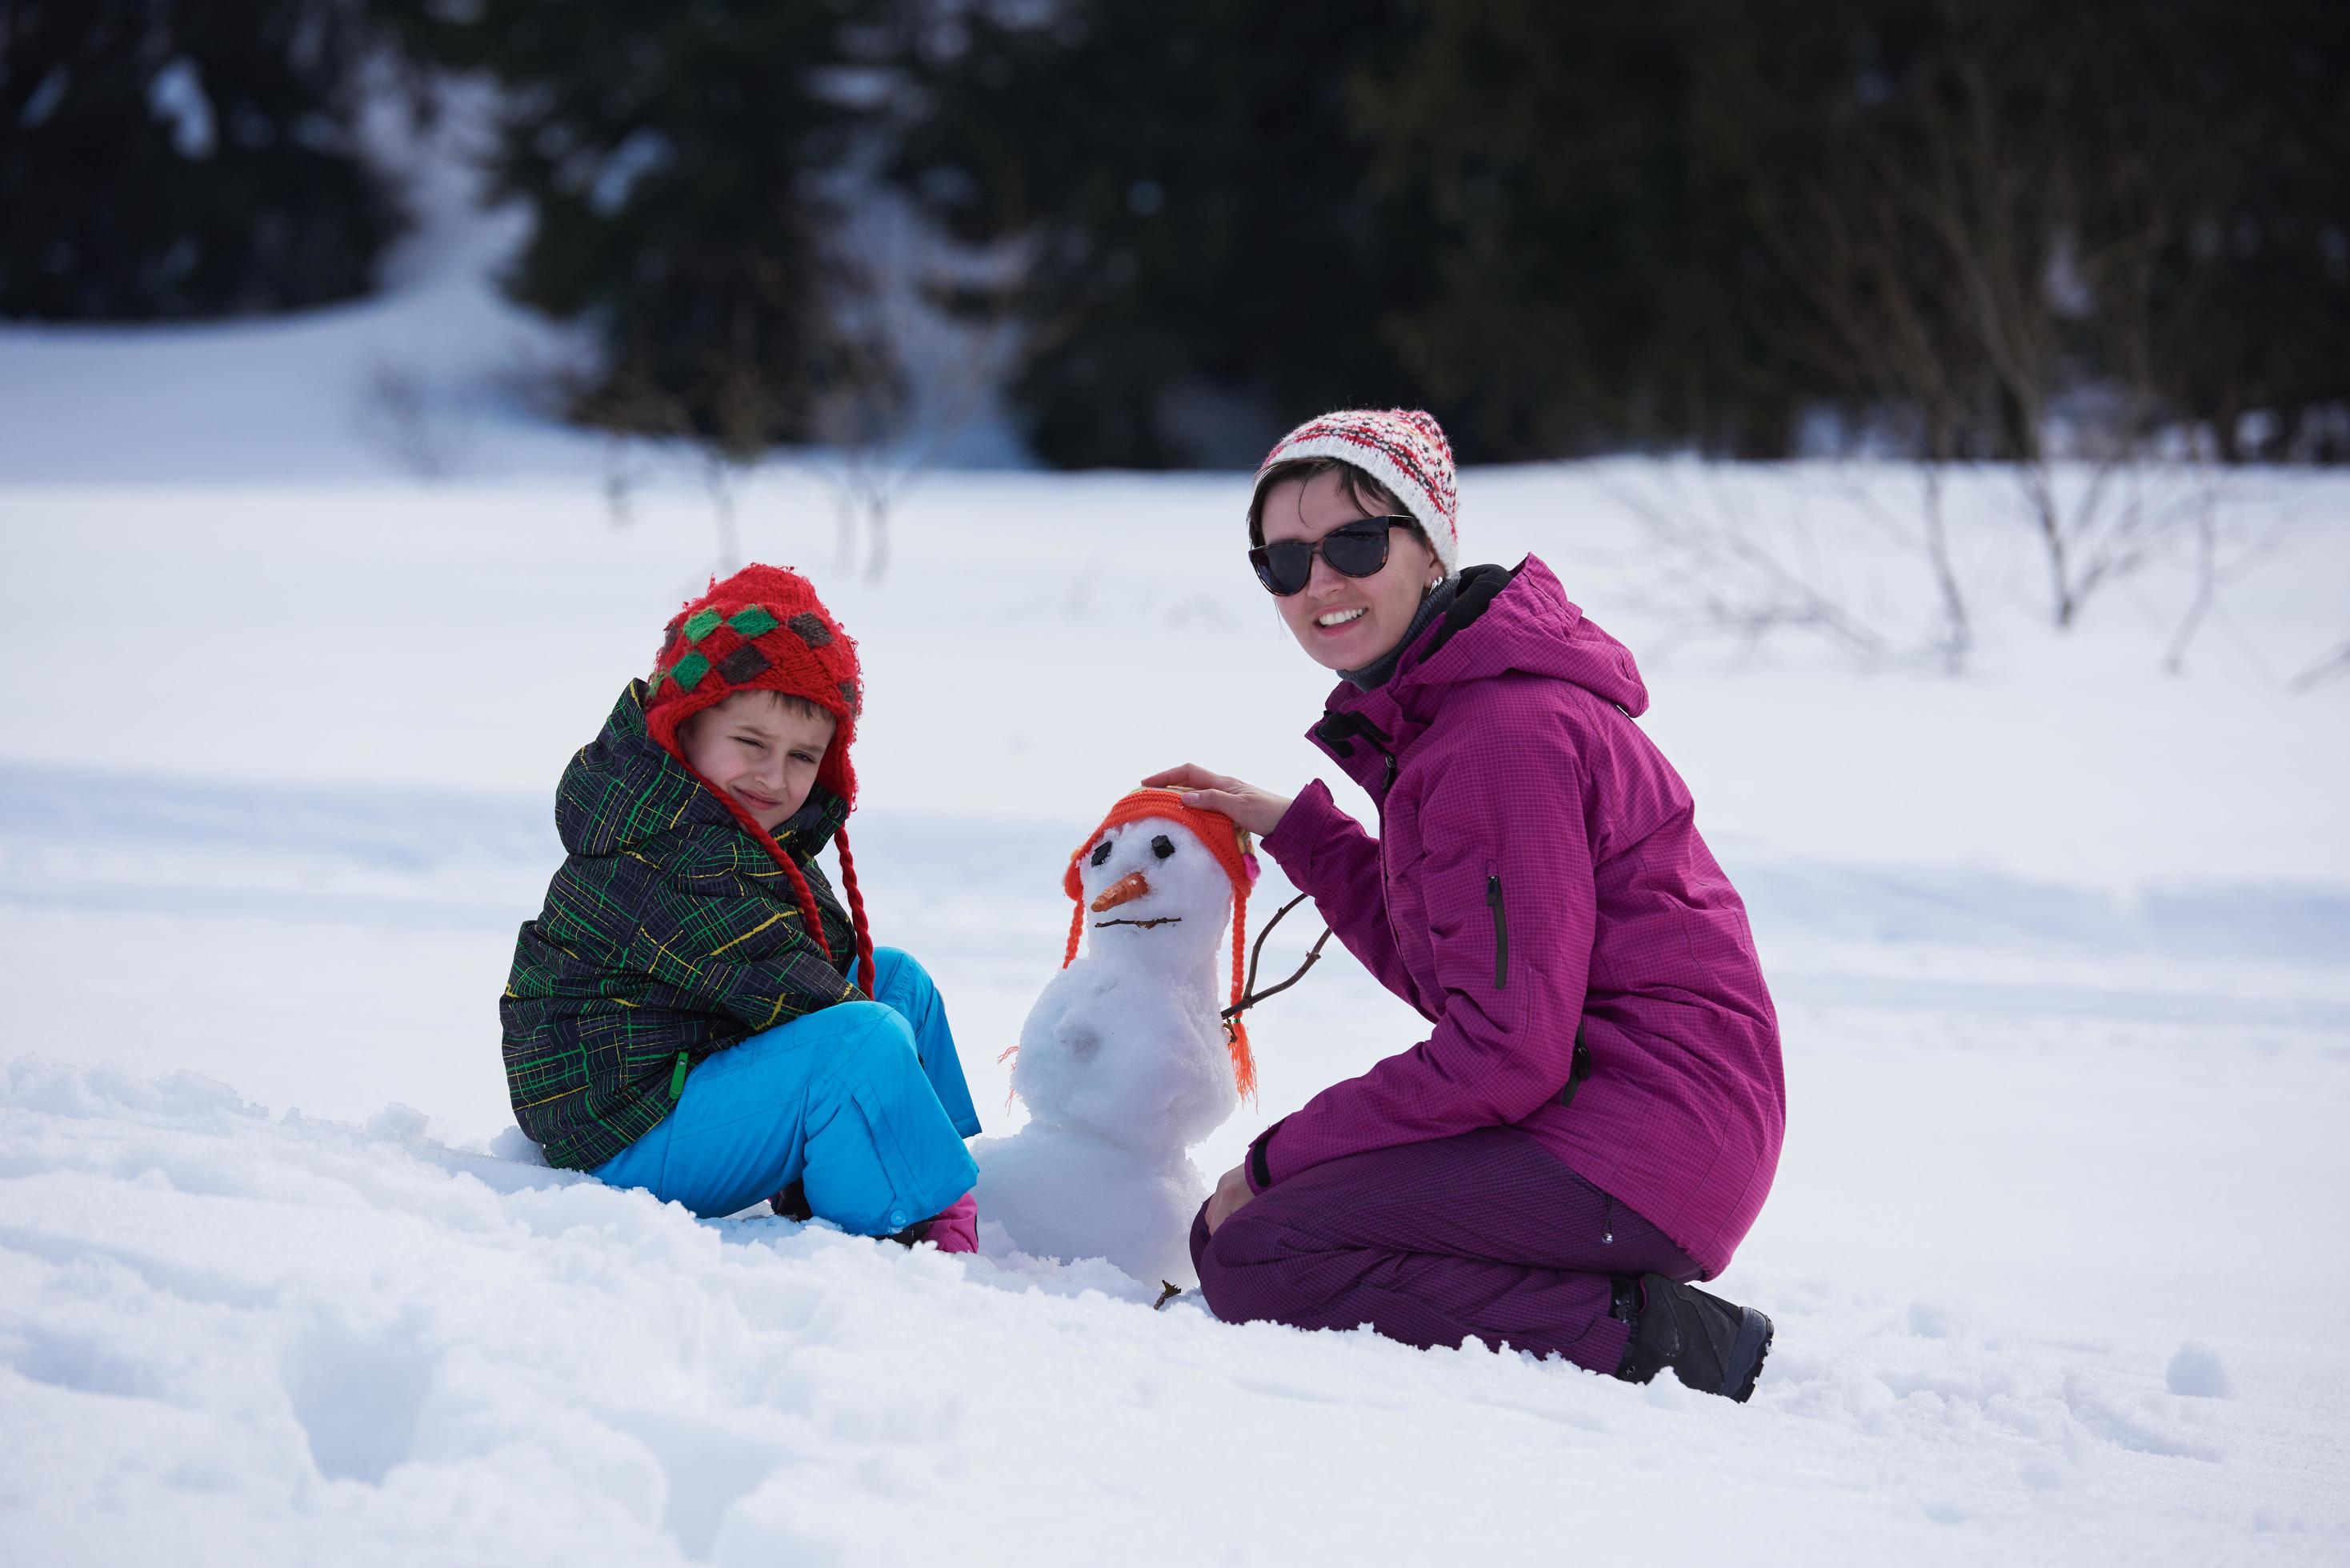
1229,843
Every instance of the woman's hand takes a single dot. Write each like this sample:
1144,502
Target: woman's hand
1259,811
1231,1191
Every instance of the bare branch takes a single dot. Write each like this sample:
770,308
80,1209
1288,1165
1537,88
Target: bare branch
2330,667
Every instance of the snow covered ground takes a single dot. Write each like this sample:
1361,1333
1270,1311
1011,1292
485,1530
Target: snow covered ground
2062,950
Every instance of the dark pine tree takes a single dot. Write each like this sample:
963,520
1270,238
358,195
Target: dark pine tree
1209,266
676,158
1601,283
164,159
2223,137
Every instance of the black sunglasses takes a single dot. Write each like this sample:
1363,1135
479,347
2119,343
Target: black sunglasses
1357,549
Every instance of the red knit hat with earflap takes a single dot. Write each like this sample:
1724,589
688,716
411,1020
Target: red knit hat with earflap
1229,843
763,629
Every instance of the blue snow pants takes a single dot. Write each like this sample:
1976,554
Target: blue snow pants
863,1104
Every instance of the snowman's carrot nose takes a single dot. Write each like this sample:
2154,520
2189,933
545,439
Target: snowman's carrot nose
1125,890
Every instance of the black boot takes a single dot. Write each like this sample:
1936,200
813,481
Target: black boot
1713,1345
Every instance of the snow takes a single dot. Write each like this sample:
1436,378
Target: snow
439,374
177,95
2059,948
45,98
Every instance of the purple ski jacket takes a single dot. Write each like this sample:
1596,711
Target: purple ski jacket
1539,892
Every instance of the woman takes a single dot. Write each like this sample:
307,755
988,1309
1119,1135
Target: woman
1595,1118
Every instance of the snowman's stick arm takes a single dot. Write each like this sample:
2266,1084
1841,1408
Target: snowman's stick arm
1257,949
1250,994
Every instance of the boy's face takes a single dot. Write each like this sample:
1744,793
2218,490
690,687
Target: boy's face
760,750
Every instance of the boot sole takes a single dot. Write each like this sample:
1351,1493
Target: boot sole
1747,1354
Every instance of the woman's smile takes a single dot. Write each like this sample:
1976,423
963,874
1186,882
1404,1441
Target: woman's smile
1346,637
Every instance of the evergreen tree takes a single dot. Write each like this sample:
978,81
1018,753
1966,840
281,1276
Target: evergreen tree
2142,213
676,159
1601,281
1656,223
169,159
2225,133
1210,264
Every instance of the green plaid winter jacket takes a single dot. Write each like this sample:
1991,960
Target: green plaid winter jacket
668,934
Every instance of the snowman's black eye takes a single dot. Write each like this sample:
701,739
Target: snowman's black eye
1101,852
1162,846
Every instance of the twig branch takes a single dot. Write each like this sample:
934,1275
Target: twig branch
2329,666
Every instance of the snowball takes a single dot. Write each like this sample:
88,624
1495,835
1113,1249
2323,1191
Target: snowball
515,1145
397,1123
2197,1371
1930,1321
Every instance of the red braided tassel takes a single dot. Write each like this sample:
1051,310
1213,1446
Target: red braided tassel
809,918
855,908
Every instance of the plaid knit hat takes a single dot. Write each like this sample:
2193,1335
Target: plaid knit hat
763,629
1229,843
1403,449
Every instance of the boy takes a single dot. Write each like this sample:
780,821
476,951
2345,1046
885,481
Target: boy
692,1011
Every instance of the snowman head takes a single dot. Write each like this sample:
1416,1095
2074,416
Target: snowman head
1152,886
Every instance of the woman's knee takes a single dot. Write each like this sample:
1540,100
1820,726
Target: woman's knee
1246,1272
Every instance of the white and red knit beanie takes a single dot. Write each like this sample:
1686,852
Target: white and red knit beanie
1403,449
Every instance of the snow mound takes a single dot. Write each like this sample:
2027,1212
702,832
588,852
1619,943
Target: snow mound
293,1340
2197,1371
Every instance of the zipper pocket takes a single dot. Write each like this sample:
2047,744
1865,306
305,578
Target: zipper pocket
1500,931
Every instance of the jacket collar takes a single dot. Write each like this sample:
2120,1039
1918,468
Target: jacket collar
1367,731
811,827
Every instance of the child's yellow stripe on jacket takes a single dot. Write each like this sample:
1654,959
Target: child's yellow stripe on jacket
746,935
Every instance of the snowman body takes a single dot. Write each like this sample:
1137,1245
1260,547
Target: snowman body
1123,1064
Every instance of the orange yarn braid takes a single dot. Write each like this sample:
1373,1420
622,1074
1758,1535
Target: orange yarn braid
855,908
1243,1060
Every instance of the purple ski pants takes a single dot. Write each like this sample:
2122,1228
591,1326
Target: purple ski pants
1486,1234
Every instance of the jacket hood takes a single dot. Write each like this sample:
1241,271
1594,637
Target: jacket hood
621,790
1503,622
1521,622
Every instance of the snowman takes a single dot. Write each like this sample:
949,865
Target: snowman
1126,1060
